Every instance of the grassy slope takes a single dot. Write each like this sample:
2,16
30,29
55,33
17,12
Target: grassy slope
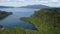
46,20
15,30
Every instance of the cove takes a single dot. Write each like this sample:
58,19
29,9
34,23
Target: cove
14,19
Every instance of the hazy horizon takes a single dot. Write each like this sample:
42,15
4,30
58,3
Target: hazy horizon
17,3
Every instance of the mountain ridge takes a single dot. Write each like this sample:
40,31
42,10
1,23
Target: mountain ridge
35,6
6,7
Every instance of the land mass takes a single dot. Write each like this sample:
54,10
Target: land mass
6,7
35,6
46,20
4,14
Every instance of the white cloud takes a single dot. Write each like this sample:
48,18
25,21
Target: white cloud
55,0
31,2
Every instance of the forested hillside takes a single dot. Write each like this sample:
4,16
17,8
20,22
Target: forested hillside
46,20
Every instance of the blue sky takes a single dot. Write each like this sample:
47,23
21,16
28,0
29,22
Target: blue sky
16,3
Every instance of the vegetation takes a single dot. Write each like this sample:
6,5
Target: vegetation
1,26
46,20
15,30
3,14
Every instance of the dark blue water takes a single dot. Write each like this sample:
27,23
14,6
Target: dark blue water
14,19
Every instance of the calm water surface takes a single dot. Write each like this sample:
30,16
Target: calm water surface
14,19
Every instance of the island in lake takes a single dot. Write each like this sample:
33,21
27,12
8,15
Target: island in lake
4,14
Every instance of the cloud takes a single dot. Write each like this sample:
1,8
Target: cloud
27,2
55,0
50,1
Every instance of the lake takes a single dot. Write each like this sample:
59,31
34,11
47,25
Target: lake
14,19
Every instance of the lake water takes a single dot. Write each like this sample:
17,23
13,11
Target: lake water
14,19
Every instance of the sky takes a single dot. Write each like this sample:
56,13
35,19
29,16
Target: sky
17,3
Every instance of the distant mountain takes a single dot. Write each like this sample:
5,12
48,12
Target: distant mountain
35,6
5,7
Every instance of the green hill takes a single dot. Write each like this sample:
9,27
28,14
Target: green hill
46,20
